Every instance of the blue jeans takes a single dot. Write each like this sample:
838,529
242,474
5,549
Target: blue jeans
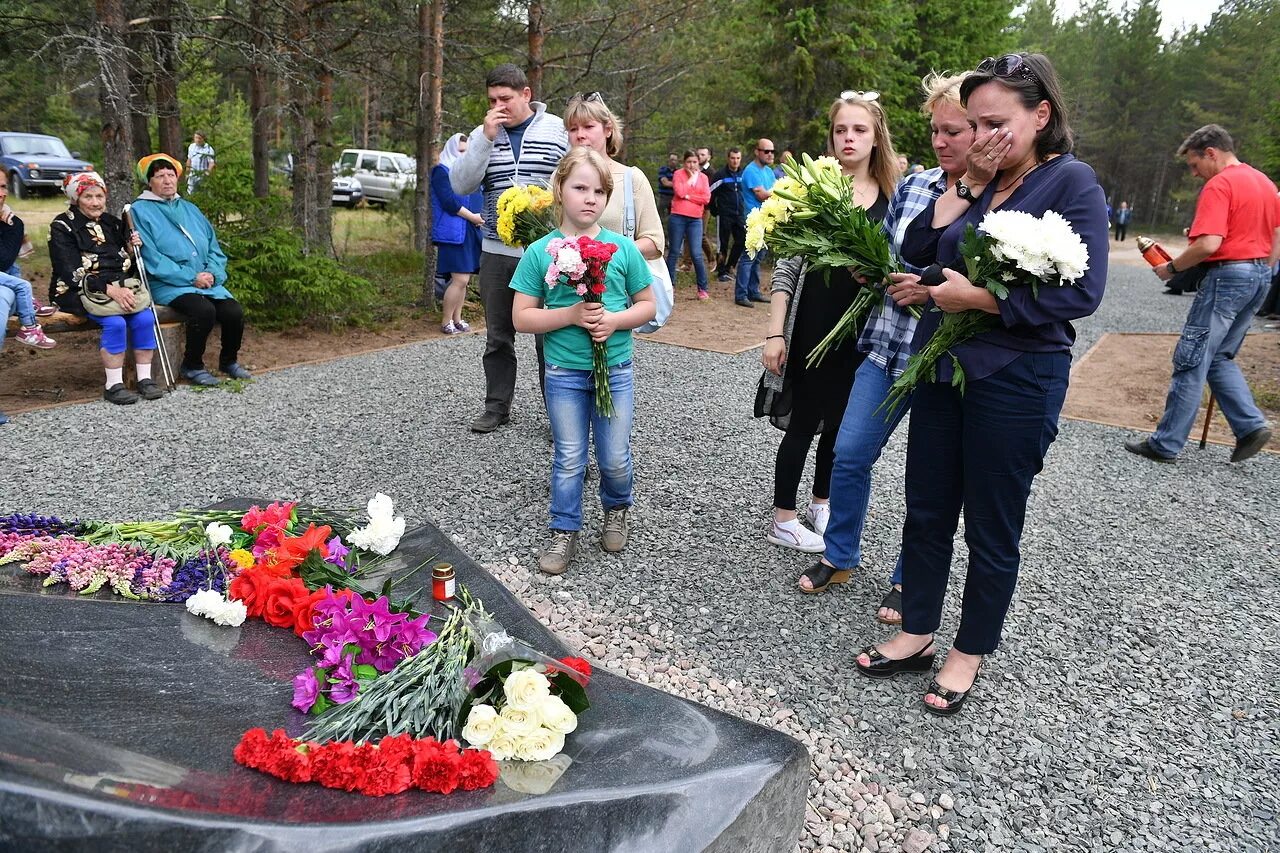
863,434
747,281
687,227
571,409
1216,325
22,303
979,451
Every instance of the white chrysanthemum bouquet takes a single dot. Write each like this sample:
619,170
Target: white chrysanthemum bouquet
1009,248
811,213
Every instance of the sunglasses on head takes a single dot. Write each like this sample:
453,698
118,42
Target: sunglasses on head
854,94
1009,65
588,97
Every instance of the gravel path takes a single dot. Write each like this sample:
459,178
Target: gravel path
1133,706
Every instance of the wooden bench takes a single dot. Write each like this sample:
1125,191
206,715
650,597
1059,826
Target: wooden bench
63,323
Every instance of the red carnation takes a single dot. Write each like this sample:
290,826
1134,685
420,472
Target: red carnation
436,765
250,587
282,597
254,745
476,769
334,765
389,768
288,759
578,665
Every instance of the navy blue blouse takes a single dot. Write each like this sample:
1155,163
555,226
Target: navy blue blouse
1064,185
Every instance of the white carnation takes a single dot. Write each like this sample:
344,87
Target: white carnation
210,604
568,257
218,534
383,532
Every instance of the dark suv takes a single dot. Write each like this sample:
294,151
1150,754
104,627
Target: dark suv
36,161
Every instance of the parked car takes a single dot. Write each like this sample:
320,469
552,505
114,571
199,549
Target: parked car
347,192
385,175
344,191
36,161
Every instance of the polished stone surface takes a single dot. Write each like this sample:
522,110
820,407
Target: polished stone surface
118,720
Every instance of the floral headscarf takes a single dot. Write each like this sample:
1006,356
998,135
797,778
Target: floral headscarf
77,182
145,163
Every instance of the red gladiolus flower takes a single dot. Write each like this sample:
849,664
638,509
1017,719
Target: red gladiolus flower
292,550
282,598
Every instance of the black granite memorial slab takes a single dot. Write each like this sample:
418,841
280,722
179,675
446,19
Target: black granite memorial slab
118,720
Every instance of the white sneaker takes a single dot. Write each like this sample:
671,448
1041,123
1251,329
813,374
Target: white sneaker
793,534
819,515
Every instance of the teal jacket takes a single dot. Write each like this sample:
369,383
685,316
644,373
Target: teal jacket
177,244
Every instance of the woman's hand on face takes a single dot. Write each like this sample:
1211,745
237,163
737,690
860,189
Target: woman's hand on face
955,294
986,154
605,326
905,289
774,357
122,296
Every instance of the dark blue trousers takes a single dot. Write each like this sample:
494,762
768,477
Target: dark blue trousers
979,452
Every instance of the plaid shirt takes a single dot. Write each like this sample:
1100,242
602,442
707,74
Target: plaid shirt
886,339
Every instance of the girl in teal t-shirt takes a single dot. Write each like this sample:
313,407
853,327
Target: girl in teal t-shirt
581,187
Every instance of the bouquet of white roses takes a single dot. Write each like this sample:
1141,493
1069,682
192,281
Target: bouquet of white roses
1009,248
811,213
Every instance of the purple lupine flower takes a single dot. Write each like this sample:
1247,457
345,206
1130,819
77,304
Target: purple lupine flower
306,689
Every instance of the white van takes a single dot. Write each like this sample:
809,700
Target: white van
384,175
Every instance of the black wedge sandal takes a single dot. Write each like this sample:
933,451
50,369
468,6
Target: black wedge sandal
821,576
892,601
955,699
885,667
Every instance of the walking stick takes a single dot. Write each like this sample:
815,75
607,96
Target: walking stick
1208,414
162,350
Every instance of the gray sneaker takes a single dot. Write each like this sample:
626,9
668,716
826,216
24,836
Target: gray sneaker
555,558
1251,444
617,527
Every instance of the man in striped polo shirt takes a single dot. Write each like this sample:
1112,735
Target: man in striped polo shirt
518,143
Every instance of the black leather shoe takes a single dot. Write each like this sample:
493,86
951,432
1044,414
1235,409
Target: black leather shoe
120,395
149,389
488,422
1142,447
883,667
743,303
953,698
1251,444
758,297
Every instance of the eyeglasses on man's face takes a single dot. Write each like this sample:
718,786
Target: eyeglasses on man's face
765,150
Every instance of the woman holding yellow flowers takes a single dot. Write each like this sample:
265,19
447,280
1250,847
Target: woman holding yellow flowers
800,399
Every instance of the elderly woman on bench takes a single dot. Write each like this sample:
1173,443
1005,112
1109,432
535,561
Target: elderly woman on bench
187,269
89,248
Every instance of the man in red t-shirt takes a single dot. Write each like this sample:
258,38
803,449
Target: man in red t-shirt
1236,234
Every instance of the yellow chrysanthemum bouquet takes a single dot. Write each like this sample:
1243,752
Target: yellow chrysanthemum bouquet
811,213
525,214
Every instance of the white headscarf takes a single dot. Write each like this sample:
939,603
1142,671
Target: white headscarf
452,151
78,182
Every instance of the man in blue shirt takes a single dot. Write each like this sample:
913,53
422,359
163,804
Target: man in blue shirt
757,185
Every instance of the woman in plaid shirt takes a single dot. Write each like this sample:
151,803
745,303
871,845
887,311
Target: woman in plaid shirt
886,342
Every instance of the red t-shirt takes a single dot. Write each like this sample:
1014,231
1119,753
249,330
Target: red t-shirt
1240,205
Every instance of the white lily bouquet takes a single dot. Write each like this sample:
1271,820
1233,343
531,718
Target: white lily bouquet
1009,248
811,212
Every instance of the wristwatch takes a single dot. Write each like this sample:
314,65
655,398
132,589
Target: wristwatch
1169,266
963,191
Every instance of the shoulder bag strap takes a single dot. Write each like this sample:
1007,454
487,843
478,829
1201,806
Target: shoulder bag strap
629,206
